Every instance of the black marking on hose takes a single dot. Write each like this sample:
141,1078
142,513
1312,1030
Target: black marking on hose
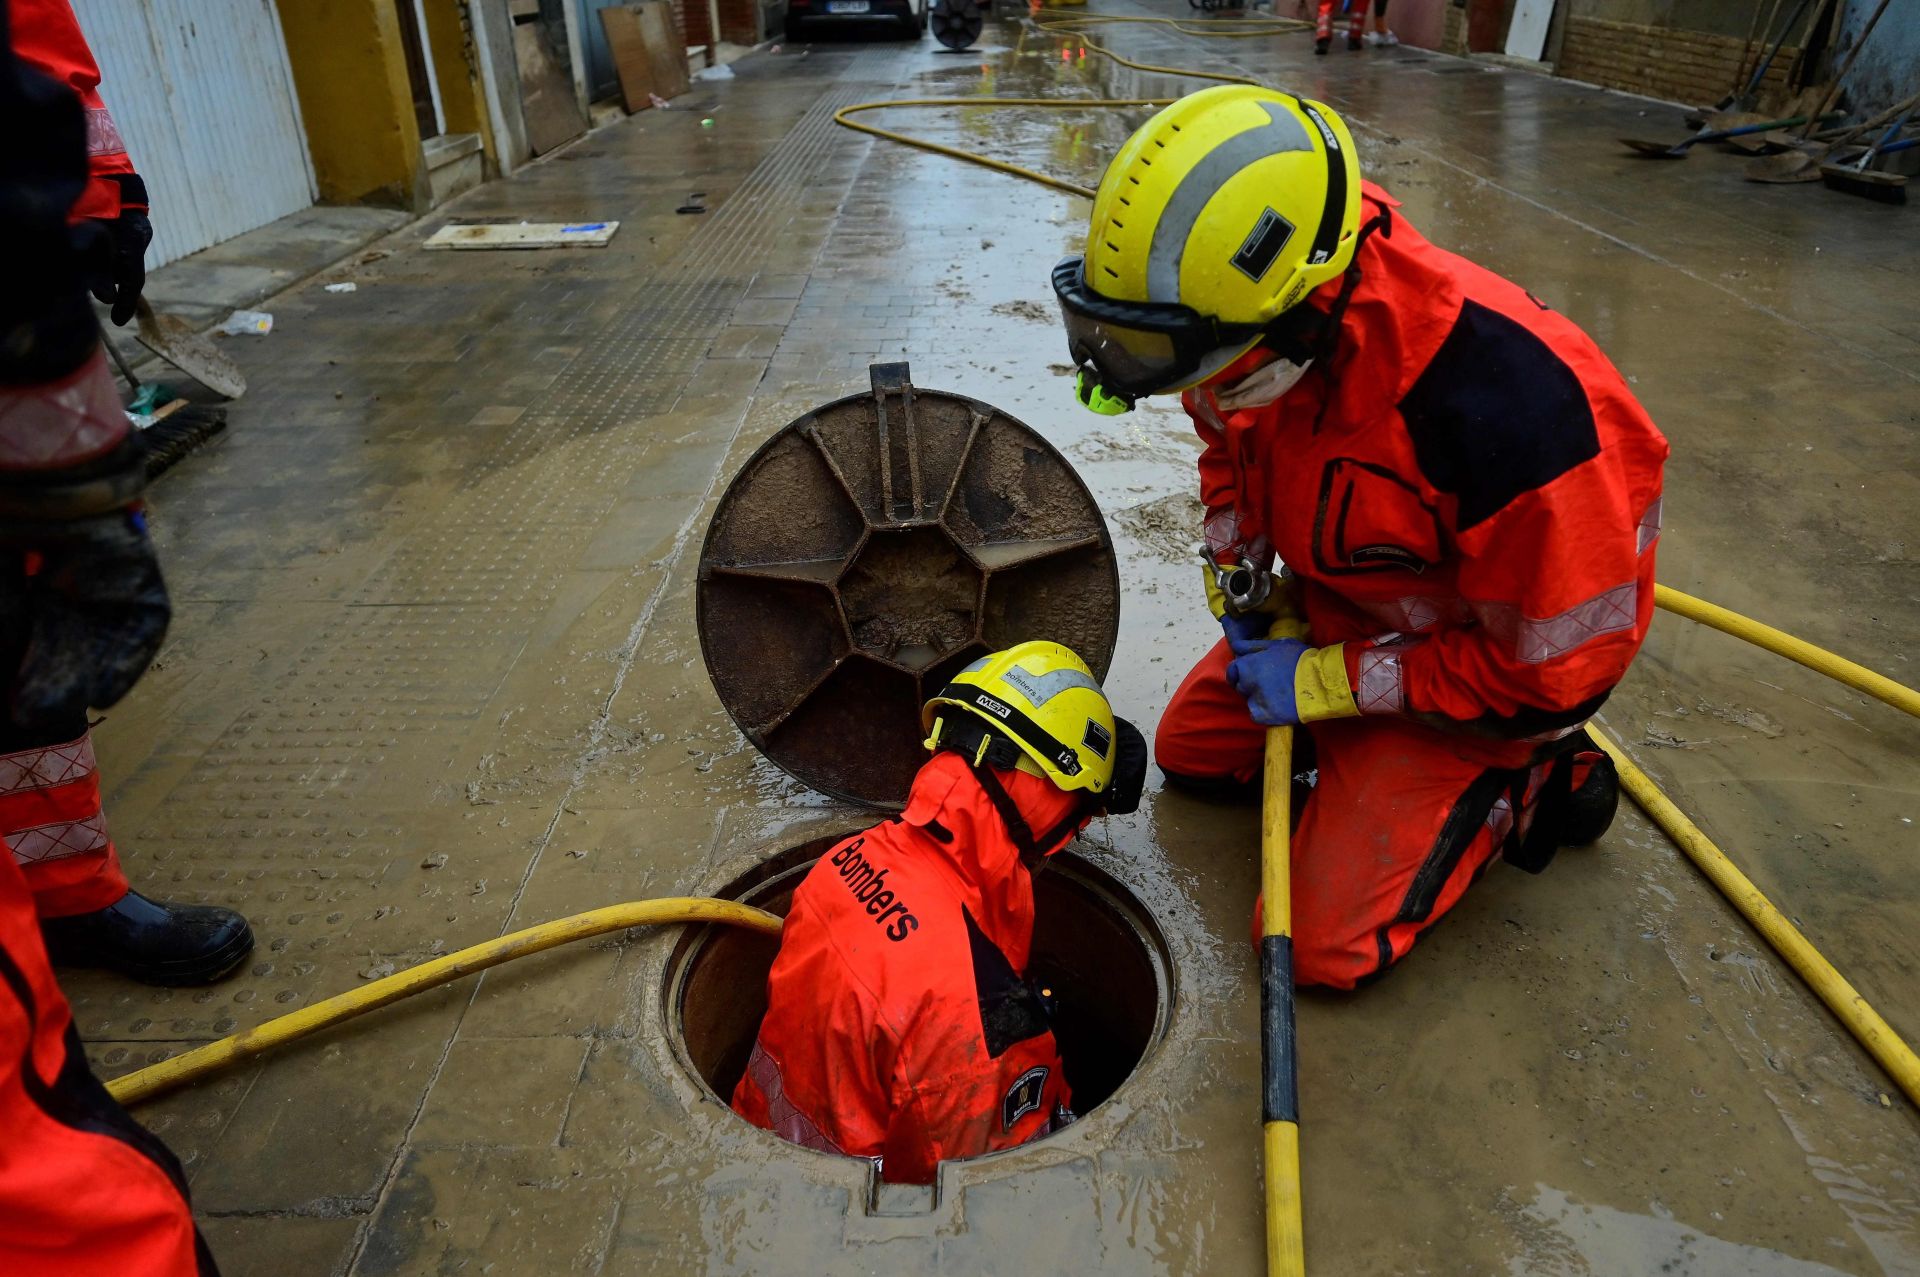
1279,1070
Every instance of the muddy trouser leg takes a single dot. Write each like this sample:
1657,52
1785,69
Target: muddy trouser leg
83,1187
1398,826
50,791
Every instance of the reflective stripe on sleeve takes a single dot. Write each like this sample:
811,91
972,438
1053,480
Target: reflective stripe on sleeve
1541,639
103,135
1379,688
1650,526
784,1116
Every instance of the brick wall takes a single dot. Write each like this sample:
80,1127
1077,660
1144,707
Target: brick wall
740,21
692,17
1680,66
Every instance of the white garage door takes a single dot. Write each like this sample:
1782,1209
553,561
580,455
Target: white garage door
203,97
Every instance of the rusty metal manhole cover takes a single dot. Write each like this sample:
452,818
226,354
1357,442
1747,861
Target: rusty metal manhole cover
874,547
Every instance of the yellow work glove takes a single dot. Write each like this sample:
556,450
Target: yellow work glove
1283,606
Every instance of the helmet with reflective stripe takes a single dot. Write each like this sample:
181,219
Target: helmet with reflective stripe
1044,711
1219,214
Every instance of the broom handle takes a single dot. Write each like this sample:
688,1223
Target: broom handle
1840,77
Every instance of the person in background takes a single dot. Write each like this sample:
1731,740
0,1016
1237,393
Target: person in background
1380,36
901,1025
1323,24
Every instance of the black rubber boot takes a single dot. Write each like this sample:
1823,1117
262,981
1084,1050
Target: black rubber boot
152,941
1590,808
1321,45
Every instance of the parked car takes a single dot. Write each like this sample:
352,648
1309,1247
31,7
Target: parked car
908,17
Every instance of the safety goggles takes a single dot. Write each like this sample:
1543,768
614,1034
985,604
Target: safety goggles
1138,349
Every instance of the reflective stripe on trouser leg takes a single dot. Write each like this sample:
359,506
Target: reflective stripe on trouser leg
51,820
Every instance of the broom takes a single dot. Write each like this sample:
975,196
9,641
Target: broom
177,428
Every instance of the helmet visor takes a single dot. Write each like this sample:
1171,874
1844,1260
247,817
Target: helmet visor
1143,348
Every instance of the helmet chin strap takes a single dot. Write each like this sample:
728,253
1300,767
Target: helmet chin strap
1032,850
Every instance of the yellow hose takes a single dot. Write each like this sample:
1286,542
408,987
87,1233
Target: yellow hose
1839,668
190,1066
1229,28
1874,1033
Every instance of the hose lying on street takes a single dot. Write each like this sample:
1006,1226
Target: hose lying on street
1874,1033
191,1066
1780,643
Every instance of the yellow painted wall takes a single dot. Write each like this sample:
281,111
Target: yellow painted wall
350,70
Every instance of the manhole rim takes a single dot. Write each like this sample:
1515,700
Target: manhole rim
776,863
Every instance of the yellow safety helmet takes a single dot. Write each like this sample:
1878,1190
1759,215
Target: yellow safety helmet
1038,708
1219,214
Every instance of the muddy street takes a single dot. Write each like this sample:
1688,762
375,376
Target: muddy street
434,675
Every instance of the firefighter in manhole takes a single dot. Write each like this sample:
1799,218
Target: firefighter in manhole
1462,491
900,1023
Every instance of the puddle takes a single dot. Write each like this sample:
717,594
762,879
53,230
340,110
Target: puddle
1568,1237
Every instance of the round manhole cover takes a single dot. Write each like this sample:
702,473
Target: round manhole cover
870,550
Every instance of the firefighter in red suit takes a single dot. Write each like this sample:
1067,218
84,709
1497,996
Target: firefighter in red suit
901,1025
1460,489
84,1189
59,442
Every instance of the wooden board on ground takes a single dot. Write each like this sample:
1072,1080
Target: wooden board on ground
648,53
525,235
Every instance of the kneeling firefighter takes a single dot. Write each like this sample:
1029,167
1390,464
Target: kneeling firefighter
900,1022
1460,491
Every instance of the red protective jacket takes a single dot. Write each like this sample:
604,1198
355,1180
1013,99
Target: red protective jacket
84,1188
900,1025
47,37
1470,473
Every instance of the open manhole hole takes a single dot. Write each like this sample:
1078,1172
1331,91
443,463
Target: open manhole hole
1094,945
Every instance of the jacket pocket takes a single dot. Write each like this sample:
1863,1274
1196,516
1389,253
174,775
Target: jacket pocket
1371,520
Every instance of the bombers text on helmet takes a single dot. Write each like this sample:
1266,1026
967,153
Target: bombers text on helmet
1219,214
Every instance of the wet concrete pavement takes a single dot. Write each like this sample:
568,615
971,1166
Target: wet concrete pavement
434,676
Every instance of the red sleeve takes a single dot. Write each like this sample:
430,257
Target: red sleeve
1560,585
47,37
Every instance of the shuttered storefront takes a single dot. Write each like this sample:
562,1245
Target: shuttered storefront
203,96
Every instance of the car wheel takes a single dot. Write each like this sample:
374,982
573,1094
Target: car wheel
910,26
795,26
